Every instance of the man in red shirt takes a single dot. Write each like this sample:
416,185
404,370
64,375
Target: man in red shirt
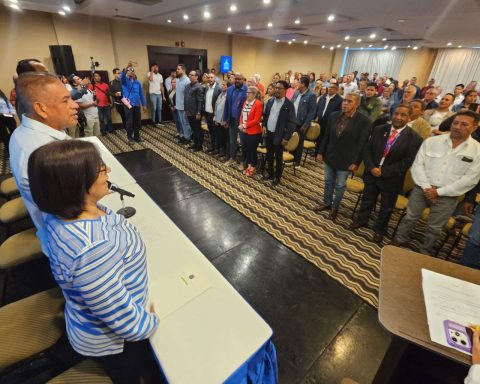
104,104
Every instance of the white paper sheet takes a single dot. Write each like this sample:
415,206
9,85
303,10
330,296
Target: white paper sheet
452,306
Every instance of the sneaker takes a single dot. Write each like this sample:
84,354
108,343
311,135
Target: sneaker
229,162
250,171
160,125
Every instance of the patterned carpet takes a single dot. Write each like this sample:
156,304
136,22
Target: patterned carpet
283,211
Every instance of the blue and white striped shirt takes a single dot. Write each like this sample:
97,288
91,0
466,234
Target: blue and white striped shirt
100,264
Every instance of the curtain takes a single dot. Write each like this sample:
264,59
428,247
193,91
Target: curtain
455,66
381,62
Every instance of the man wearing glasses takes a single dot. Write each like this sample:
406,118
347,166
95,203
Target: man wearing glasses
278,126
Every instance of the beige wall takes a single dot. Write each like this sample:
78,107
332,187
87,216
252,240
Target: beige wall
114,42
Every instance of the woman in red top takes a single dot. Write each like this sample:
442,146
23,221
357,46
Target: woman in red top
252,131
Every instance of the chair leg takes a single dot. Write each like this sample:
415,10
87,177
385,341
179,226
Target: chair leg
455,244
307,151
356,204
402,215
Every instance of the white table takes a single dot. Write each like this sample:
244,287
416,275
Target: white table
207,339
119,174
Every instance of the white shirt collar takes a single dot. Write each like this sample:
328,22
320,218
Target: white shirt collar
36,125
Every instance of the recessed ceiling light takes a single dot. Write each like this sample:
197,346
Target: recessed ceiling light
384,39
385,47
247,26
359,40
266,1
66,8
185,17
347,47
323,46
370,45
62,13
394,48
14,6
270,24
229,29
347,37
339,45
277,41
14,1
401,20
409,46
361,48
297,21
305,41
331,18
373,35
289,43
415,48
294,39
207,15
449,44
331,48
459,46
233,8
169,21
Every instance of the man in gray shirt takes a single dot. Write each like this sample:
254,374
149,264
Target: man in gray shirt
182,122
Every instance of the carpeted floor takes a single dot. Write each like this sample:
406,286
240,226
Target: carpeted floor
283,211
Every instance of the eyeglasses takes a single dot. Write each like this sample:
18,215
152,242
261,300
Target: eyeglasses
249,92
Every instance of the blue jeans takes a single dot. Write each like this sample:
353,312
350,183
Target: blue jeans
175,120
156,100
335,180
183,122
105,117
471,253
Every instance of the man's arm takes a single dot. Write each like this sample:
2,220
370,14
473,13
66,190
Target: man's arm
365,129
465,183
395,169
376,110
367,152
199,96
418,168
311,111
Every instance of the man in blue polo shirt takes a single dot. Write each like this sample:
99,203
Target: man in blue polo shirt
236,96
133,97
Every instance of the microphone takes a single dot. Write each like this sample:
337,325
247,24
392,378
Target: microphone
124,211
115,188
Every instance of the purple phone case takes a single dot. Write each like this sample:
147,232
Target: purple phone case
458,336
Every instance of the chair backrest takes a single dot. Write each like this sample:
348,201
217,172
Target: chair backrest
292,143
30,326
313,132
408,183
360,171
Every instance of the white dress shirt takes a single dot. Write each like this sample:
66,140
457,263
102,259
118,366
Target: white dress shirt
29,136
155,86
349,88
453,171
208,98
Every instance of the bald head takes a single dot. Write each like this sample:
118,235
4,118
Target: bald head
239,79
44,98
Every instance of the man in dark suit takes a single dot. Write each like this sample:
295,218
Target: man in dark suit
389,154
212,90
327,104
341,149
278,126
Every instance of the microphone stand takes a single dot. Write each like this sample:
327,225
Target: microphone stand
126,211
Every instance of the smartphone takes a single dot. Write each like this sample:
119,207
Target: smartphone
458,336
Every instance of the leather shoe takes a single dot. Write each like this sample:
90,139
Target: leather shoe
191,147
321,207
377,238
333,214
355,225
275,181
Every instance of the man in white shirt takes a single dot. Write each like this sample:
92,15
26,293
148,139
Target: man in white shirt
88,104
446,167
49,109
155,89
168,80
459,96
349,86
212,90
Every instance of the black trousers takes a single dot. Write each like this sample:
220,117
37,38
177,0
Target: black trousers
221,135
121,111
135,363
7,126
249,149
133,122
369,199
274,155
211,129
197,132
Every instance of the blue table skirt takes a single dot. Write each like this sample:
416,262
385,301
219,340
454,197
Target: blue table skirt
261,368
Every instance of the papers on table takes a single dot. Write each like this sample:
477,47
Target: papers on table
185,285
452,306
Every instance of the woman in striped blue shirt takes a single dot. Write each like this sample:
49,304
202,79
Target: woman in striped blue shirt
98,259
